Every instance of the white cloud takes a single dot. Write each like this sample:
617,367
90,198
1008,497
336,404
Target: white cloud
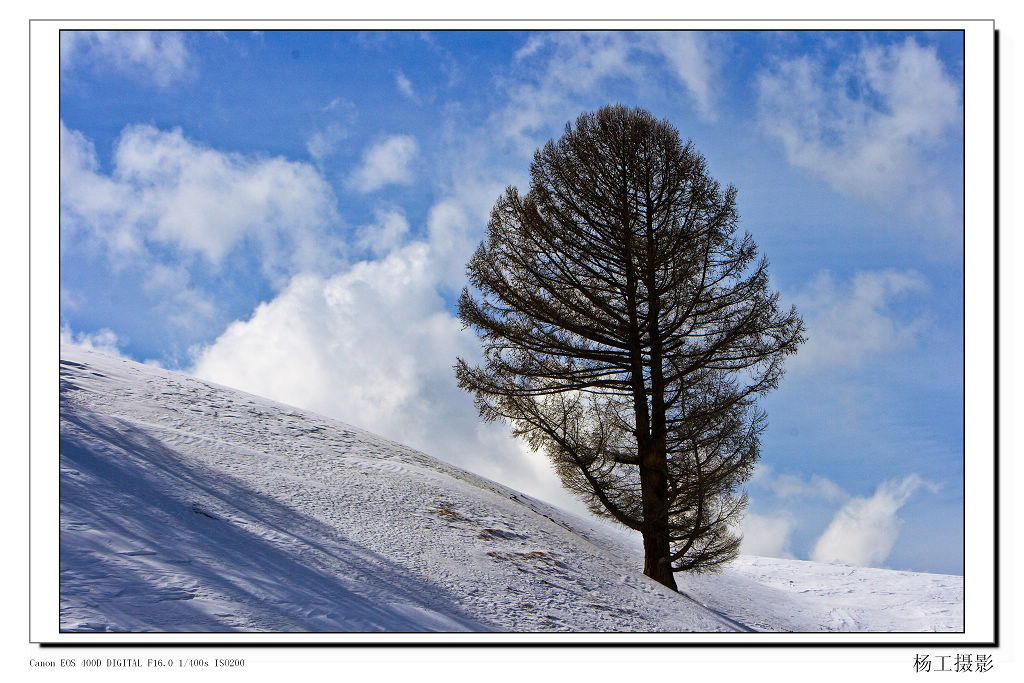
385,163
167,189
405,86
569,65
69,300
325,142
373,346
865,530
870,125
450,228
340,345
178,299
386,233
157,56
770,535
104,340
767,536
93,205
584,58
693,61
338,102
787,485
862,532
847,322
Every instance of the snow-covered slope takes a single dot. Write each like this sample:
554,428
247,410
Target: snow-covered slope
187,506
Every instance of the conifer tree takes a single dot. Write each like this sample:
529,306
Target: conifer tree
627,331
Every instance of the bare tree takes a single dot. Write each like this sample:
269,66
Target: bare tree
627,331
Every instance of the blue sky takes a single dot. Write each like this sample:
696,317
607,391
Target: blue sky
290,213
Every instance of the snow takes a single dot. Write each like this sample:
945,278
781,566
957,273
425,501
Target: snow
191,507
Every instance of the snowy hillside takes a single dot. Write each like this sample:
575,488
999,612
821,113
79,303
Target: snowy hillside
186,506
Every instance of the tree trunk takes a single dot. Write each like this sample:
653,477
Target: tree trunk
654,490
656,559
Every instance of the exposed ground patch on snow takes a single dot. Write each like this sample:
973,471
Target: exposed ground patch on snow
187,506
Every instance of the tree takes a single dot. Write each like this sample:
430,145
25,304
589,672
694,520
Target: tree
627,331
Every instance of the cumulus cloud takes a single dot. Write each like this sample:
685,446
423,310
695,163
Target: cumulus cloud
767,536
848,321
374,346
160,57
357,325
864,531
384,163
870,125
166,189
386,233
